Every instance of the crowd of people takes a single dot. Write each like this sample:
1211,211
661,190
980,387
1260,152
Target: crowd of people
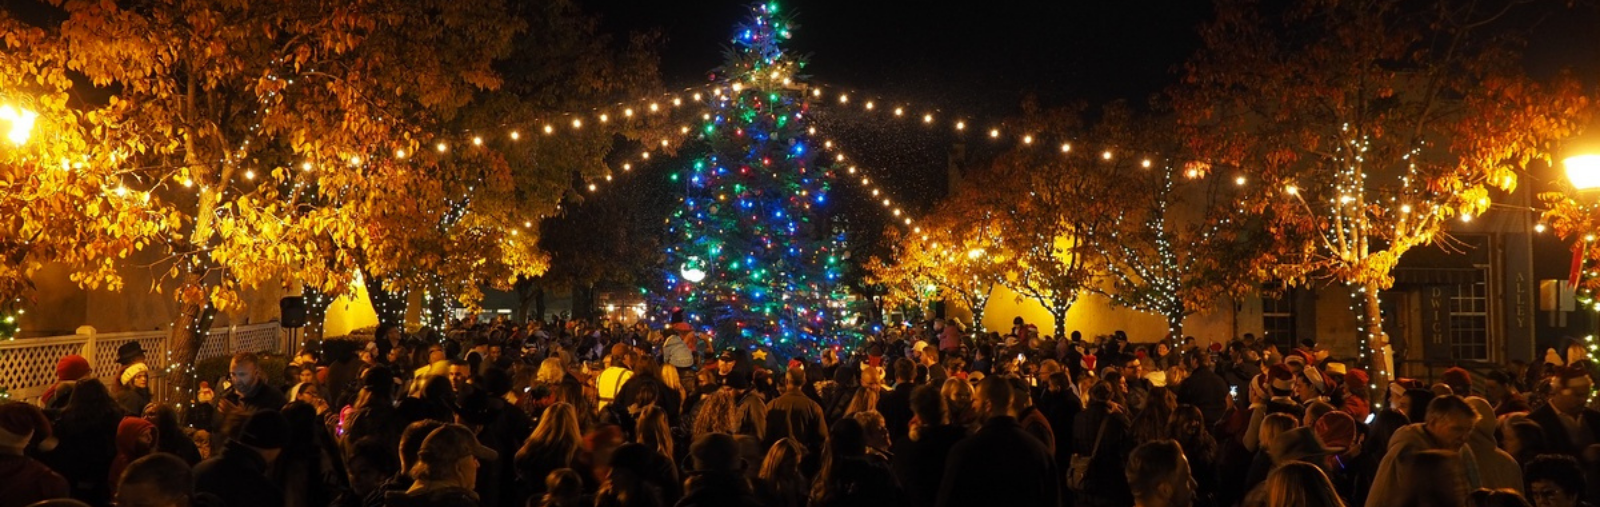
576,414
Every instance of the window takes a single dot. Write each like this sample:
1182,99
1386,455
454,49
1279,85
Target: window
1469,322
1277,314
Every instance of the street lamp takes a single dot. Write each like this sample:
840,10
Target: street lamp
21,121
1583,159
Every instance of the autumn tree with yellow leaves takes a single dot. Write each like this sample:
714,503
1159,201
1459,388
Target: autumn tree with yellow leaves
1365,127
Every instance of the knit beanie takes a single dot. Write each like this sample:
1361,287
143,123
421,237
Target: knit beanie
72,367
1458,379
133,371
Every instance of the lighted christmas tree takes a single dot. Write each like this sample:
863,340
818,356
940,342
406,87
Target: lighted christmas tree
751,254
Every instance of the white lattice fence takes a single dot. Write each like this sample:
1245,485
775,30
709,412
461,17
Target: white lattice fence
28,366
28,370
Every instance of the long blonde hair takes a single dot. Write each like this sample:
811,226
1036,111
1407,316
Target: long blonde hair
1299,484
558,428
669,378
654,431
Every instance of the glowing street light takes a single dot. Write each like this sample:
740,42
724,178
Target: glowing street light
20,120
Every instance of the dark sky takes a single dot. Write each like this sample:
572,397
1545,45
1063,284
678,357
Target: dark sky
975,58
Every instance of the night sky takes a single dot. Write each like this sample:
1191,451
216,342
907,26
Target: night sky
976,58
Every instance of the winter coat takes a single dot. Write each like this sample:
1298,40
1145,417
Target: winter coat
28,481
1556,437
1496,467
84,456
861,482
1061,409
795,415
128,433
1406,442
919,464
1000,465
132,400
895,405
239,477
676,353
1105,480
1207,391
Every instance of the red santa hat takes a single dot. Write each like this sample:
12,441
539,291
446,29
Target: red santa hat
20,423
1280,377
1088,362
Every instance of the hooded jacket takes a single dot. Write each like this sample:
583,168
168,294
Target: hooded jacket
1496,467
128,449
1408,441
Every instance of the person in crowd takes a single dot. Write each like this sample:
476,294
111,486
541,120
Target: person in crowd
1060,406
459,372
563,488
850,475
69,370
781,482
239,475
717,478
876,434
958,396
919,460
655,433
1102,433
1188,429
1428,478
639,476
1496,498
1568,423
617,373
410,444
86,432
24,480
161,480
1151,423
133,388
1522,439
170,437
1159,476
373,414
1450,421
309,468
895,405
1000,463
136,438
1497,469
1502,393
1032,420
552,446
367,466
1204,389
794,415
249,393
1296,484
446,470
1555,480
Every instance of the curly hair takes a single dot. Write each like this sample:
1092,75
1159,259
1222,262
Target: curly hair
716,415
